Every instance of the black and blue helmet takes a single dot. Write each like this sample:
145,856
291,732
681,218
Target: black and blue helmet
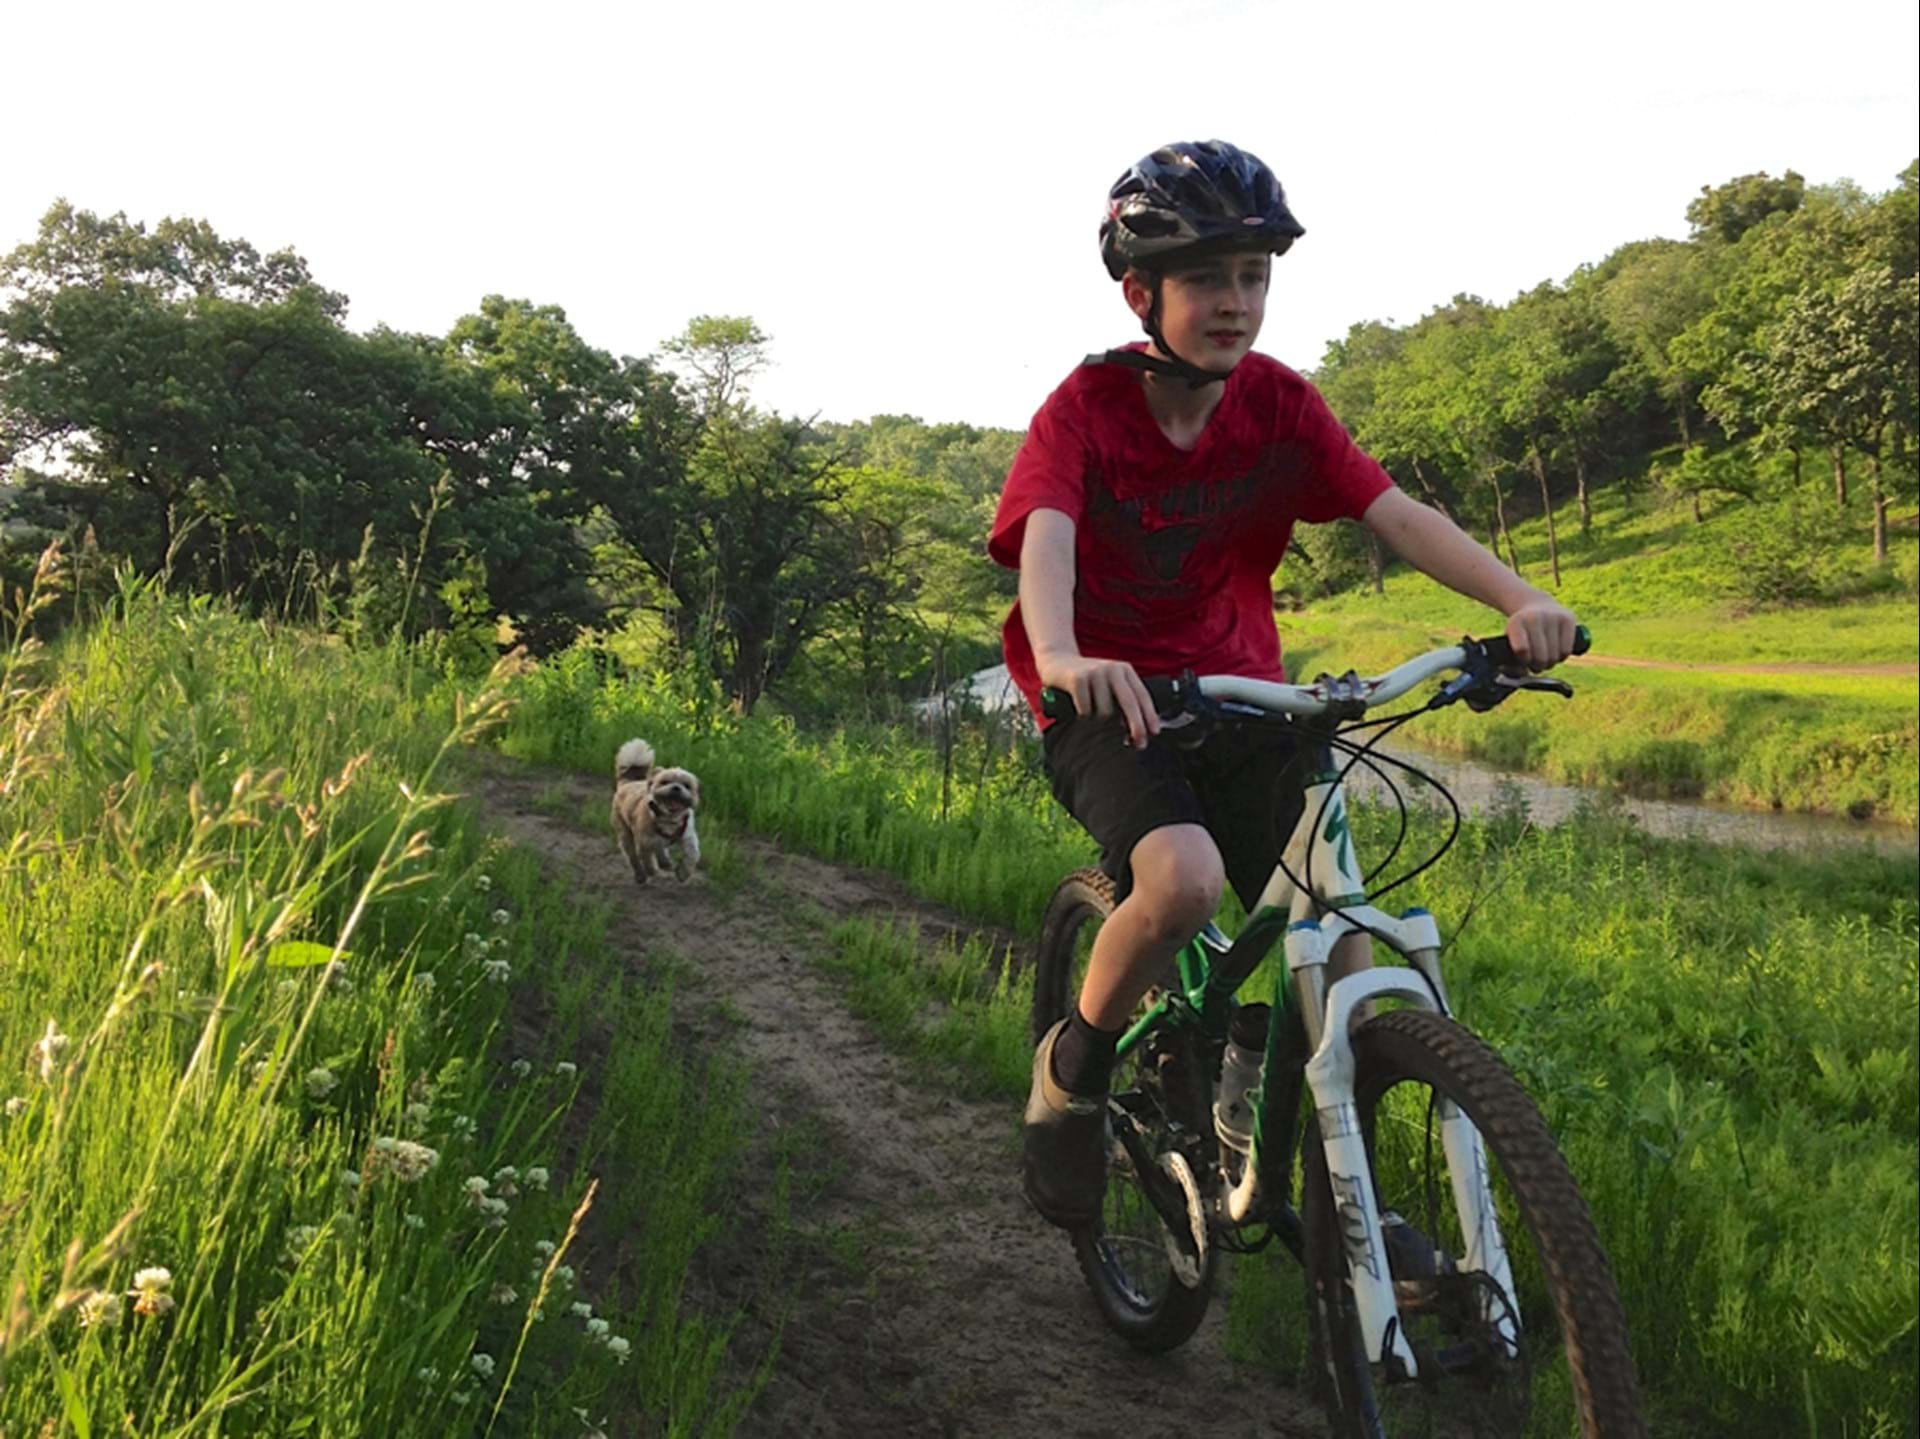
1194,196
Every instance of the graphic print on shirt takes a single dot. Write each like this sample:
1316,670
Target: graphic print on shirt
1148,542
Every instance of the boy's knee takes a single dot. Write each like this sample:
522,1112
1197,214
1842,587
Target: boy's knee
1179,875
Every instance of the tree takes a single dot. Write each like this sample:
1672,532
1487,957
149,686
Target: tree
1657,289
723,352
1726,212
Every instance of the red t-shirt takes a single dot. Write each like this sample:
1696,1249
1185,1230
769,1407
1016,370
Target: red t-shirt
1175,549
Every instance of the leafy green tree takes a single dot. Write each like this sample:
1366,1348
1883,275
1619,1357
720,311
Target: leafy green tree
721,352
1726,212
1656,290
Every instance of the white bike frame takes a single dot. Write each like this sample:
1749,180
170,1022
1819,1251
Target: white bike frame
1321,850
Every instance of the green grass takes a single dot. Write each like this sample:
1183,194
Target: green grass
1723,1040
198,809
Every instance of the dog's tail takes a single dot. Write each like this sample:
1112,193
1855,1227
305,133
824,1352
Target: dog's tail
634,761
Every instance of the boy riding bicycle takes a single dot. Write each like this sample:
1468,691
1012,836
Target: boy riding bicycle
1147,511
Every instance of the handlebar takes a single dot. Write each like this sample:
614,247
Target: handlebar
1487,674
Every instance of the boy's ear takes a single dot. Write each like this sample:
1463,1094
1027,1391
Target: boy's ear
1137,287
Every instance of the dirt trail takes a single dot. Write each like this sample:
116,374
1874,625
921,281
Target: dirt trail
930,1299
1896,670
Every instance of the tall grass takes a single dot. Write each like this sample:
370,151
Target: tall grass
1722,1040
271,1159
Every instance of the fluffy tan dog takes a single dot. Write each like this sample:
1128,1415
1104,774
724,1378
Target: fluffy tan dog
653,813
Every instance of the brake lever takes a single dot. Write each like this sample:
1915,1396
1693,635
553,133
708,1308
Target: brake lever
1481,698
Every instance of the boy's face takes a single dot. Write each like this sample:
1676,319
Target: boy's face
1210,311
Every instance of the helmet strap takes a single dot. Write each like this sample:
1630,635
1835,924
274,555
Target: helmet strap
1174,367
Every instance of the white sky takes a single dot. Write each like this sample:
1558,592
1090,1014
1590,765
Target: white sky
906,196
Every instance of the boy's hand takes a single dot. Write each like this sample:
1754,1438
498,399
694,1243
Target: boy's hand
1541,633
1104,687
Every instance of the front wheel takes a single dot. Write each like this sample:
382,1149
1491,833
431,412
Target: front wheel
1152,1283
1571,1370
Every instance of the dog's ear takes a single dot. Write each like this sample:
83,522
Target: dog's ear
696,789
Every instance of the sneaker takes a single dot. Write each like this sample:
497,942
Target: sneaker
1063,1156
1410,1254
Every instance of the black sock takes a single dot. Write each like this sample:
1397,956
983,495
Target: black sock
1083,1056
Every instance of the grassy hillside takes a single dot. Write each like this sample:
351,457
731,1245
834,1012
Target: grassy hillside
1653,587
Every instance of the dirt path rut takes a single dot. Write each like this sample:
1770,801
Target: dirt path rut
930,1300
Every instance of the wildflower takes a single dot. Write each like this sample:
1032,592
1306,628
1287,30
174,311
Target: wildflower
335,977
463,1396
427,1374
349,1179
537,1179
476,1187
483,882
499,941
506,1181
500,916
598,1328
100,1309
476,944
417,1115
504,1294
619,1348
496,1211
286,989
47,1052
462,1126
321,1082
149,1292
496,971
566,1069
544,1248
299,1240
482,1365
413,1221
407,1160
259,1070
424,982
15,1105
564,1274
580,1309
522,1068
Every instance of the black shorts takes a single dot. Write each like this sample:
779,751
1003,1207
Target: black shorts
1236,784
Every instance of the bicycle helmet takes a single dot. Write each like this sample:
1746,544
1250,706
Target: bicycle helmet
1181,202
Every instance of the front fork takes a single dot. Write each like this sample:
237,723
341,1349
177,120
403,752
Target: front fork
1327,1016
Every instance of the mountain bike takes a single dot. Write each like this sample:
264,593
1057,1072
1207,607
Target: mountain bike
1454,1279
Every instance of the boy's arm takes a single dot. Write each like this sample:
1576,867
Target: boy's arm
1539,627
1046,608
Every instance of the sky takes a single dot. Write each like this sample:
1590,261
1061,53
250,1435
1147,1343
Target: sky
906,198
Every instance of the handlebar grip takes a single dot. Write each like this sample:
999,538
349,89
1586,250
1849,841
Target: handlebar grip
1500,650
1163,691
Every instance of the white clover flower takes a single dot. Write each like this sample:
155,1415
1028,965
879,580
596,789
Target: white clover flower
499,941
564,1274
463,1126
483,882
521,1068
417,1115
537,1179
16,1105
349,1179
482,1365
476,1187
424,981
427,1374
413,1221
47,1052
463,1396
504,1294
544,1248
299,1240
566,1069
100,1310
500,916
286,989
321,1082
496,1212
598,1328
619,1348
496,971
475,944
580,1309
407,1160
149,1292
